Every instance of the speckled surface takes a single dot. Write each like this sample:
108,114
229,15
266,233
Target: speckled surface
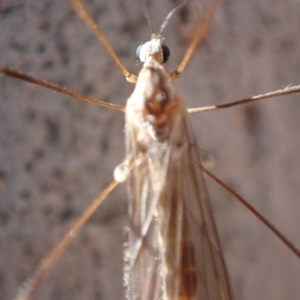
57,153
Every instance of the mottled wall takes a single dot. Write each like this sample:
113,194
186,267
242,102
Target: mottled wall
57,153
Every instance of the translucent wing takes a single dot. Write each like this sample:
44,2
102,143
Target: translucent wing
173,250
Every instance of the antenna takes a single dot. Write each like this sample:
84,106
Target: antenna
144,6
169,16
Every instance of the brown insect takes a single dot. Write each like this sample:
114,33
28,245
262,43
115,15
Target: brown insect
53,177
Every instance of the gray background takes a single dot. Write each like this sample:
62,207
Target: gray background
57,153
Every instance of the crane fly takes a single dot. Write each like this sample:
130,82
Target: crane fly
166,170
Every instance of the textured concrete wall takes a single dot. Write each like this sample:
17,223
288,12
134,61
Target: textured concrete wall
57,153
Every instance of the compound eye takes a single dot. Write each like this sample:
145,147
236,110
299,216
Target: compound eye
138,52
166,52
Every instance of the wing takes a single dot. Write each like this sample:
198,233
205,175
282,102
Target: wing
174,250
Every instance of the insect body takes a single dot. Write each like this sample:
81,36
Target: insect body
174,250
